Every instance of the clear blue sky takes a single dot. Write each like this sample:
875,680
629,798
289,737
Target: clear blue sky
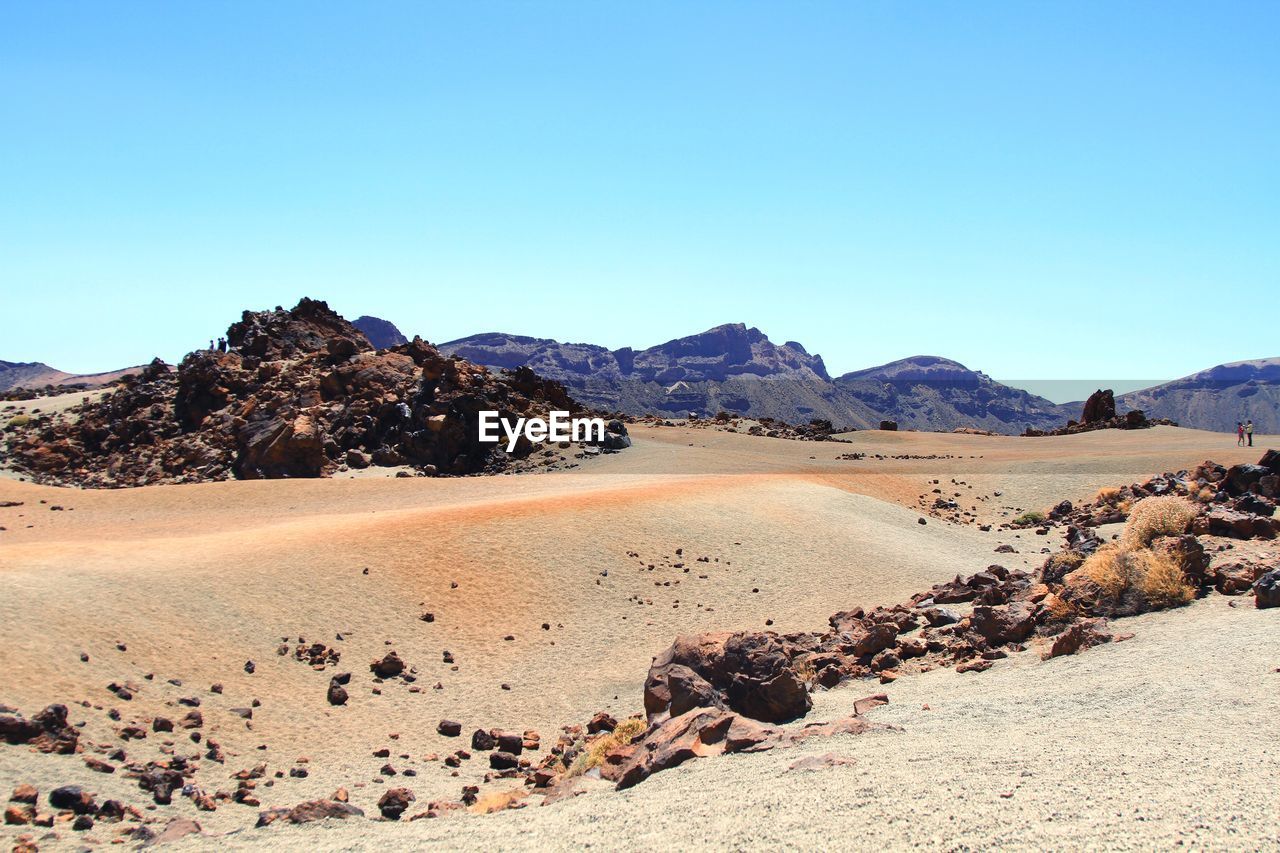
1049,190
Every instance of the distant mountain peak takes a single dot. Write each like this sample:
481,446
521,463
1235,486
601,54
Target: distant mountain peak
916,368
383,334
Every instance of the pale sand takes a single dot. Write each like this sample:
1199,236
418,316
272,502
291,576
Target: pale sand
1168,739
198,579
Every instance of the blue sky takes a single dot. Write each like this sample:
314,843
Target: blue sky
1038,190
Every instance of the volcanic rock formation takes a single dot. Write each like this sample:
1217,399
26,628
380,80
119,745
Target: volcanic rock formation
299,393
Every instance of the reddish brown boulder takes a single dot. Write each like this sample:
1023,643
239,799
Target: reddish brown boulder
499,760
388,667
309,812
179,827
1237,576
19,814
1240,525
750,673
1001,625
601,722
694,734
1101,406
1080,636
72,798
25,794
393,803
48,731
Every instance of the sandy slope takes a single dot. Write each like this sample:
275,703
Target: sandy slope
1148,744
195,580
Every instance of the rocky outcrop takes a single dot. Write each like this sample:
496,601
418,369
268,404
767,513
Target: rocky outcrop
1266,590
48,731
299,394
1100,413
697,733
750,673
1101,406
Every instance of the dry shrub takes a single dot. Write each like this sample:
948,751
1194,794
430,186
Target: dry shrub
1112,569
1206,495
1059,565
19,421
1061,610
1148,580
1158,516
1108,495
495,801
1164,583
1029,518
595,751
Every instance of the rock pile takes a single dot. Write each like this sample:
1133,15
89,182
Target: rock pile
299,393
1100,413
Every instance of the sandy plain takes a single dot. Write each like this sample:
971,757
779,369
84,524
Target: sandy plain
1169,737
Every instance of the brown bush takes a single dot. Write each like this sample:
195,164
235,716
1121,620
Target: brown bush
1164,582
1108,495
1138,580
1158,516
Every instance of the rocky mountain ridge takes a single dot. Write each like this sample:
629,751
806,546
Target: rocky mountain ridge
738,369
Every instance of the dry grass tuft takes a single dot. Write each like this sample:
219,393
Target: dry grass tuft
1158,516
1111,568
1109,495
495,801
1061,610
1060,565
1029,518
595,751
1157,580
1164,583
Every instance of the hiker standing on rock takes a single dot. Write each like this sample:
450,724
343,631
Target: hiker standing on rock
1239,434
1248,430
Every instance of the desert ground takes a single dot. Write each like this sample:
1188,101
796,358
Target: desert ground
553,591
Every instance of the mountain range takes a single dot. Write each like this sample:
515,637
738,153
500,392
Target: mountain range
35,374
738,369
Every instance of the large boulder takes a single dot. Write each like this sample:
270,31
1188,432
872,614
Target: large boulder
1081,635
1101,406
696,733
748,672
1244,478
1266,591
48,731
1002,625
1239,525
309,812
393,803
